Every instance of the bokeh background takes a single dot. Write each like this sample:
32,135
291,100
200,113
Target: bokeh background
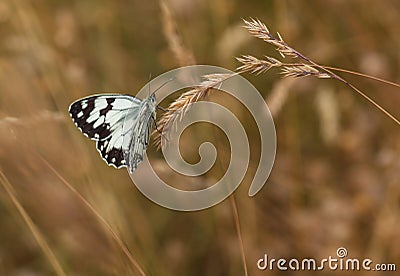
336,177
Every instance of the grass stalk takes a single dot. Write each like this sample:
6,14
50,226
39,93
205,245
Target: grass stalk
44,246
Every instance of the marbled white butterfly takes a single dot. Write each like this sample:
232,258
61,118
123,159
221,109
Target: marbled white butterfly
120,124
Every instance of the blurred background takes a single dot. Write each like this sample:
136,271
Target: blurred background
335,181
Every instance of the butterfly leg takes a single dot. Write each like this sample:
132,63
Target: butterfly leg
156,127
161,108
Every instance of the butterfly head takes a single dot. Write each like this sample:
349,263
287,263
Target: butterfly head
152,98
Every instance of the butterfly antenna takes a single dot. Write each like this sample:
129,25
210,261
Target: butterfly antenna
149,83
162,85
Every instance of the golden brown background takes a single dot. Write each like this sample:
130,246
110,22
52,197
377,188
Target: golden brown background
336,177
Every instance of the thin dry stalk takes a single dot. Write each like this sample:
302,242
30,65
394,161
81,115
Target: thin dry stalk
32,227
39,118
278,96
97,214
28,22
182,54
362,75
232,200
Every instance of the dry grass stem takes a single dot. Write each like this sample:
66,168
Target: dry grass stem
102,220
32,227
307,68
39,118
260,30
278,96
328,113
232,200
182,54
362,75
177,109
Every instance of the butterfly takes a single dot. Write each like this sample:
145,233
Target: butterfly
120,124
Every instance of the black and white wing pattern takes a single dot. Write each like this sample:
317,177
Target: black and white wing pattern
108,119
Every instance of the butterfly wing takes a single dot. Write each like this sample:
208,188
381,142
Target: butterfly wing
108,119
138,144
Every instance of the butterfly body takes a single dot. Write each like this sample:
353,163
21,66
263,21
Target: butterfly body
121,125
141,132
